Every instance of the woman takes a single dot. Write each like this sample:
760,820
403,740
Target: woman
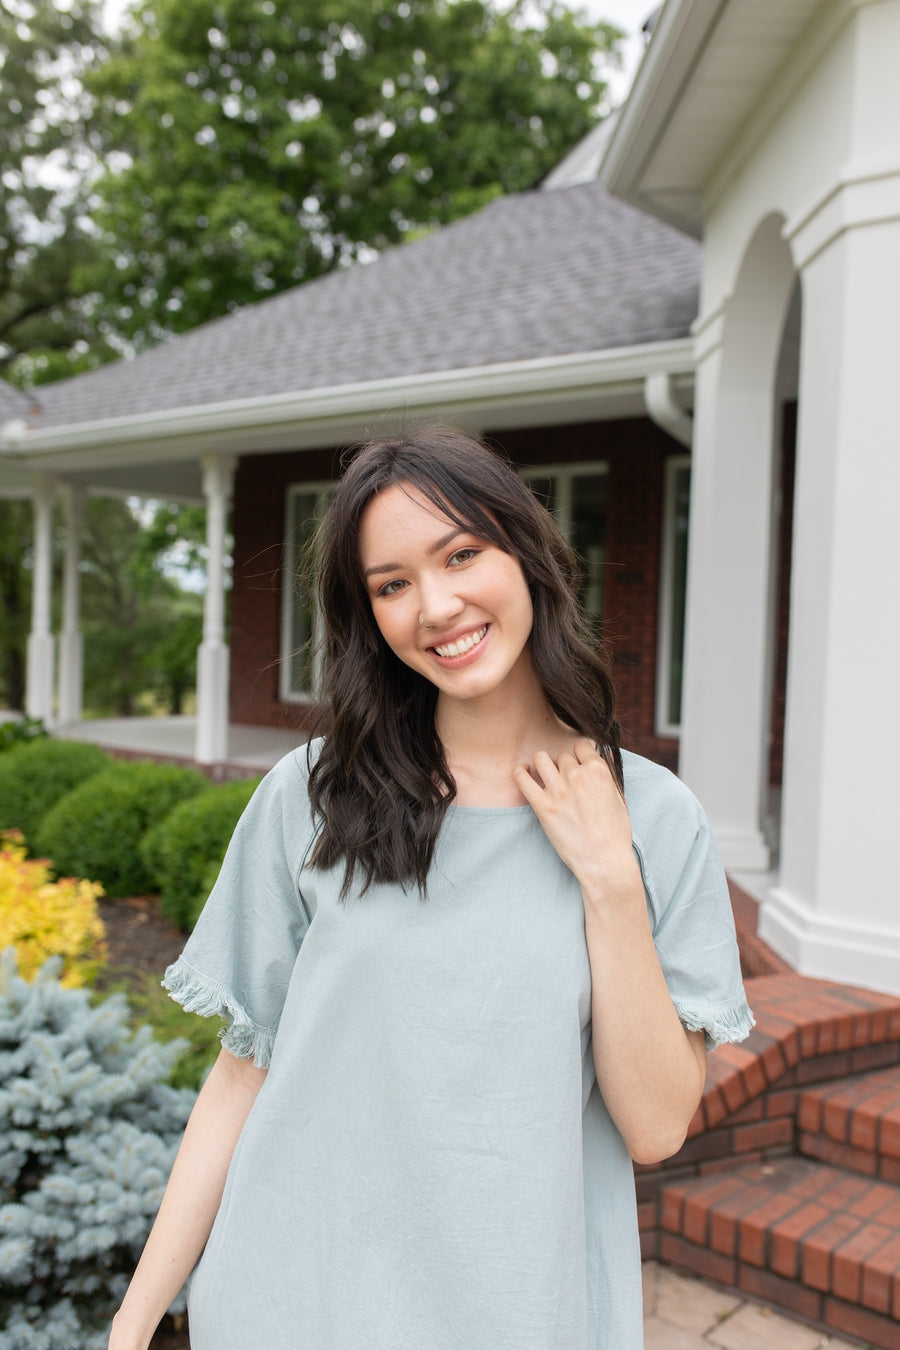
465,982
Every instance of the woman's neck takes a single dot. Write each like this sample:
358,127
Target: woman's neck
483,744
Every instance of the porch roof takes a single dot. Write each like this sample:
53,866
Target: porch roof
13,403
534,276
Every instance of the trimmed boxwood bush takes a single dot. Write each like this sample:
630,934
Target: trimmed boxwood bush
184,852
36,774
20,731
96,831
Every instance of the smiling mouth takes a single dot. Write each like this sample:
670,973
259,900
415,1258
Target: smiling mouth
463,644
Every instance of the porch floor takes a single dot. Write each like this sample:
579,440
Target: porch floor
250,749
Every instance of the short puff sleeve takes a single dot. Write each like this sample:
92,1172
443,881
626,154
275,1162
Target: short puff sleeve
239,959
688,902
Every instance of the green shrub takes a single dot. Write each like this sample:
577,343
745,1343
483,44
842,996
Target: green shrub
35,775
21,730
184,852
96,831
151,1006
41,918
90,1128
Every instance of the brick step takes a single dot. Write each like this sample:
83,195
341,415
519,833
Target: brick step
853,1123
817,1240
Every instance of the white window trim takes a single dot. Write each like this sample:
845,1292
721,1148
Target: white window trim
288,588
664,727
564,473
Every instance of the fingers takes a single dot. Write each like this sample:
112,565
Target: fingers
546,772
527,784
546,766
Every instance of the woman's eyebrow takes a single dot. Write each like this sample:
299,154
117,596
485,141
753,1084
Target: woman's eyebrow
436,547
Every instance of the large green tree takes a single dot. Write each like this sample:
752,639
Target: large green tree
268,142
47,159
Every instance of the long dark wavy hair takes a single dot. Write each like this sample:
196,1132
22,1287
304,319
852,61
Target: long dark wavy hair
381,783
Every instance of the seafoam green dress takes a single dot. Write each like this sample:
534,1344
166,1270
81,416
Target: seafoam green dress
429,1164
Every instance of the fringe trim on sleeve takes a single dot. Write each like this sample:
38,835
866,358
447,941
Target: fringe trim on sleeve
723,1023
196,993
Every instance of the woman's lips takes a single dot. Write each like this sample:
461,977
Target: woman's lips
463,648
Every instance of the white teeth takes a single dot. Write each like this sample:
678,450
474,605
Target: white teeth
462,645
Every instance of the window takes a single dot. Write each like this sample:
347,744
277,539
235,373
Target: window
300,661
576,494
673,594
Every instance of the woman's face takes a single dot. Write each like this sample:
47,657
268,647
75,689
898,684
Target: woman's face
450,605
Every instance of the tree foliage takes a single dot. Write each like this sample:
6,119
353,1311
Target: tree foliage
16,532
141,625
47,327
269,143
141,629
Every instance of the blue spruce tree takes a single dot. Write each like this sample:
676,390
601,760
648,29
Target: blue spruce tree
89,1128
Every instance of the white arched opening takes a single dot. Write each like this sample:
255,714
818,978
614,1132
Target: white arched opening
729,627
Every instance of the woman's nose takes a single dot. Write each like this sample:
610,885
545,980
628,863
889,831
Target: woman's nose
440,605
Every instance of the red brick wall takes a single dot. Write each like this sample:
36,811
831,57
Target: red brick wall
635,451
258,516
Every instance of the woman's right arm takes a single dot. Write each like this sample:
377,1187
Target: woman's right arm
191,1200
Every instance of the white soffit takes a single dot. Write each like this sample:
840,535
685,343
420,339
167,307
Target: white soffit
707,66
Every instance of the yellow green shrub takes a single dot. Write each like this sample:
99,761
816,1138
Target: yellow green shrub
41,917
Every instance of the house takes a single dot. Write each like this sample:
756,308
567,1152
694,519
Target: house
639,383
546,320
772,131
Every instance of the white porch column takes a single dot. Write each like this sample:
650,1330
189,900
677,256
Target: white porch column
213,657
39,684
835,911
71,644
721,755
724,742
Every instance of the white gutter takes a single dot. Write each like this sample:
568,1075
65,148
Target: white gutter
664,409
557,379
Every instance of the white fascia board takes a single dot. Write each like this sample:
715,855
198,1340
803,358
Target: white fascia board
238,424
676,45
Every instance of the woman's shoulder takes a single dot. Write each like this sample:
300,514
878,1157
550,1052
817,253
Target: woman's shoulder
656,797
284,789
292,770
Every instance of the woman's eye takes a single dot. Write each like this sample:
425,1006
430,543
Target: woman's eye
463,555
391,587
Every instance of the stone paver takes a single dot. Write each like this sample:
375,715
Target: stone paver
690,1303
753,1327
682,1312
659,1335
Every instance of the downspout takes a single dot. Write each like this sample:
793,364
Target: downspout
664,409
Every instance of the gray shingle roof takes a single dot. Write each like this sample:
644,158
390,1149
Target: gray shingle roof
537,274
13,403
